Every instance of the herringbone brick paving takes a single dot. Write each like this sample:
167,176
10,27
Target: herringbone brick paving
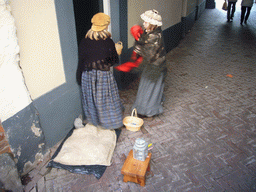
205,139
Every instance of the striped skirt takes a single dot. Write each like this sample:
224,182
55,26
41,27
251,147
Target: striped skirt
100,98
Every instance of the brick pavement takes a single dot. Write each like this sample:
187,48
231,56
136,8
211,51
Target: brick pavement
205,139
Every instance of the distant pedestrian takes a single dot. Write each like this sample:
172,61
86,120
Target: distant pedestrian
246,7
231,3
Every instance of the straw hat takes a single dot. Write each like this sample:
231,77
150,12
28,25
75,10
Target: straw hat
152,17
100,21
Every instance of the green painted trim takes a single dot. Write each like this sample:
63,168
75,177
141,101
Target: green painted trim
58,110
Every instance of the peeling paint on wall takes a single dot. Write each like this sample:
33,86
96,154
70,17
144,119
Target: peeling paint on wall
39,157
18,153
40,146
29,166
24,132
37,131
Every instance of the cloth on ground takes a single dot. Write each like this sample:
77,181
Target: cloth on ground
96,169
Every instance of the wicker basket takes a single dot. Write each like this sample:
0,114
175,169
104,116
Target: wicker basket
133,123
119,47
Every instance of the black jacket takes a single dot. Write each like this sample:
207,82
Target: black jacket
95,54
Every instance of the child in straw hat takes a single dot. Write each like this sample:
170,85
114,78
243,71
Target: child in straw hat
100,98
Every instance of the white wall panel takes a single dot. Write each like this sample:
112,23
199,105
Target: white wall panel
13,92
40,50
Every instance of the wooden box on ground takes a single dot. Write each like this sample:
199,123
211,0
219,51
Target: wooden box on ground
135,170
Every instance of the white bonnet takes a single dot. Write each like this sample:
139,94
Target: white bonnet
152,17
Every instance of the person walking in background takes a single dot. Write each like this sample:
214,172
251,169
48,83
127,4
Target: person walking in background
100,97
231,3
246,7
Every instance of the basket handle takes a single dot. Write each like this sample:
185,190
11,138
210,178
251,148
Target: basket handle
134,111
120,43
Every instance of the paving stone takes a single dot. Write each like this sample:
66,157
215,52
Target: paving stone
33,190
49,185
52,175
41,185
33,183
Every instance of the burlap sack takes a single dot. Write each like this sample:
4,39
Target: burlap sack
88,146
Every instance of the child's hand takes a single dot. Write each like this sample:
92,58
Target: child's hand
136,31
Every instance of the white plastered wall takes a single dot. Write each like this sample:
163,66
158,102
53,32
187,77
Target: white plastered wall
184,8
40,50
14,95
170,10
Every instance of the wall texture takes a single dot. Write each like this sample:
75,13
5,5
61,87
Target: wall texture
11,77
18,114
40,51
191,5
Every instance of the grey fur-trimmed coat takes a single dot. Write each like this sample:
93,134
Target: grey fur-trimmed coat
151,47
150,98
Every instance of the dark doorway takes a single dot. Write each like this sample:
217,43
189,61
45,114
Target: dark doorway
84,10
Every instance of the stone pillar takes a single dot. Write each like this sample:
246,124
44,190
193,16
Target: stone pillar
210,4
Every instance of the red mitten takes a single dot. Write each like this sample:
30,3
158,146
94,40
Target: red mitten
125,67
138,61
136,31
134,56
128,66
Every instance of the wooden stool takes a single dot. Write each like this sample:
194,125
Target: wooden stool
135,170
